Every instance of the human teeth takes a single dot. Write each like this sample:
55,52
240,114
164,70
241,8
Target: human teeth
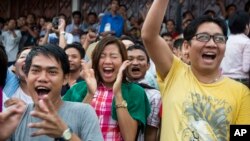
209,53
108,69
41,88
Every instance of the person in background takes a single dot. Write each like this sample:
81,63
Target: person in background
10,40
75,28
177,47
112,23
150,76
235,63
29,29
18,68
167,36
91,22
171,28
56,34
49,118
122,107
75,53
198,102
136,72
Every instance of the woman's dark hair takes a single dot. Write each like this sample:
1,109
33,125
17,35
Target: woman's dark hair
49,50
3,64
192,28
97,52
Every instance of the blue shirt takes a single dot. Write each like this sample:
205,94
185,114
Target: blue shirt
11,84
117,23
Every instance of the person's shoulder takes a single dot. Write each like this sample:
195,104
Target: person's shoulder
132,86
235,86
79,85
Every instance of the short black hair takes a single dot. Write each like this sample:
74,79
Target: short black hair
49,50
209,11
92,13
238,22
184,15
168,34
191,29
140,47
231,5
78,47
77,13
178,43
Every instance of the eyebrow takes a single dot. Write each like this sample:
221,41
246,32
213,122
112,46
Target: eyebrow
49,67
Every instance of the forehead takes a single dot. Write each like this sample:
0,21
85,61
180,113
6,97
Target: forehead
72,51
45,61
209,27
136,52
111,48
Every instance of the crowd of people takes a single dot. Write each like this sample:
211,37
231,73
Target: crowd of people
113,78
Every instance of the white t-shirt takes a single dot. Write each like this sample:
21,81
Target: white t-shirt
23,96
53,39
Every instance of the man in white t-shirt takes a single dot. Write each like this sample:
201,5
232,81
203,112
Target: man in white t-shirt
56,34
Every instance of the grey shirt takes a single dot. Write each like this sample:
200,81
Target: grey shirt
81,118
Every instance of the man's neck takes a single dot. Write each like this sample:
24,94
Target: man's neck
207,77
73,76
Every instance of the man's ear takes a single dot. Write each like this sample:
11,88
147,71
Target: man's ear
65,79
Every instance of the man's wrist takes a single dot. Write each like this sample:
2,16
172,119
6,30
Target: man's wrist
66,135
62,32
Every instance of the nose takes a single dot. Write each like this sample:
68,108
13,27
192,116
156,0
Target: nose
43,77
107,59
211,43
69,58
134,62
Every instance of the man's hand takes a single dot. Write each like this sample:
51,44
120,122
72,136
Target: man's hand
10,118
62,25
51,125
49,27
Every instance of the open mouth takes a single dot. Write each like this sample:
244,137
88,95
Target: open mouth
108,71
42,91
135,69
209,56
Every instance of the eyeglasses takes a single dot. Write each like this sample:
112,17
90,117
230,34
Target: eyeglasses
205,37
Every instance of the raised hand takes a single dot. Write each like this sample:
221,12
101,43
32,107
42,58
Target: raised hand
89,76
118,82
51,125
62,24
10,119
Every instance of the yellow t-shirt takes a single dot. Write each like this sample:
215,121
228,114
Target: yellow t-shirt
193,110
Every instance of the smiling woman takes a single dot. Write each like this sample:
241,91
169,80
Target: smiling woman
122,107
